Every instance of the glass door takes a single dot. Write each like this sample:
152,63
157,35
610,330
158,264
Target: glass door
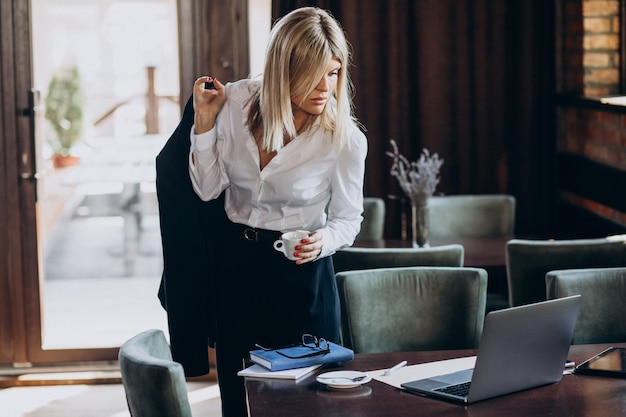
106,74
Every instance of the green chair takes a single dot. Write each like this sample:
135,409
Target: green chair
352,258
409,309
528,262
603,309
373,224
155,385
480,215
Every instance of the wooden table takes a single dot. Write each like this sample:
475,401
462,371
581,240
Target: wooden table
488,253
481,252
573,396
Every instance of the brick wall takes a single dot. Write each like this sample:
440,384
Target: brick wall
601,42
591,67
600,136
591,42
572,47
596,134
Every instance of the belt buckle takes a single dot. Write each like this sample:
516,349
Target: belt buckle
251,235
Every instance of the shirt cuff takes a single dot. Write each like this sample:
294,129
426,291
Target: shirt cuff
203,141
327,244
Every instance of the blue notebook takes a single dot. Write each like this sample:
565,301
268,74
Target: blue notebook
299,356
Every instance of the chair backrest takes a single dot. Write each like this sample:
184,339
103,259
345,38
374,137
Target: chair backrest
471,215
409,309
603,309
349,259
528,262
154,384
373,224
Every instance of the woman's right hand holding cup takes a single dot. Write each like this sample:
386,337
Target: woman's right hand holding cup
207,103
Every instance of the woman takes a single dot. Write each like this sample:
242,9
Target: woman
289,155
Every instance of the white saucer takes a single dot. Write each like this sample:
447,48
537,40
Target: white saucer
342,379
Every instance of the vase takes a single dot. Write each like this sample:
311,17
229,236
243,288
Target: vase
419,223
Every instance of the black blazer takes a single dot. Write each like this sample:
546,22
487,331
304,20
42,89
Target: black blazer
188,229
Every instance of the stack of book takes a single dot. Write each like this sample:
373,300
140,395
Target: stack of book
293,362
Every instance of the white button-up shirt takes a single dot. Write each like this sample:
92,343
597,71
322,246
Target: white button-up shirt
293,190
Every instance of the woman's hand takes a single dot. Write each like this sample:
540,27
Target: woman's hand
310,248
207,103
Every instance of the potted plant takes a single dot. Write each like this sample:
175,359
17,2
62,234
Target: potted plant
64,110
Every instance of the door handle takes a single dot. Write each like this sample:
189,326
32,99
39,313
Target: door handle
29,159
30,176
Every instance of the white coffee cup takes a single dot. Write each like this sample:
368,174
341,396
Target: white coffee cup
288,242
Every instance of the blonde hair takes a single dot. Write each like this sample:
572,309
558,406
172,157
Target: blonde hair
301,45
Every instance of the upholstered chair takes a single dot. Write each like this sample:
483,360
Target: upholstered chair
414,308
528,261
352,258
373,224
154,384
603,309
479,215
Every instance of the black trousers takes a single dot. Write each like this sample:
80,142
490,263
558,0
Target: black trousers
264,298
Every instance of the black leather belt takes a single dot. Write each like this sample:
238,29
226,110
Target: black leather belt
252,234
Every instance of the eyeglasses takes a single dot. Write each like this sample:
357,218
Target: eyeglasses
320,346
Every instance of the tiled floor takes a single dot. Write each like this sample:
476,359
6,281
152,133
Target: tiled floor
102,267
112,310
93,401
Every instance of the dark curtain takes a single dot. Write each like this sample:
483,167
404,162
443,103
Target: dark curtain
472,80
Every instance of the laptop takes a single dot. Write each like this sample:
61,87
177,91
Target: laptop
520,347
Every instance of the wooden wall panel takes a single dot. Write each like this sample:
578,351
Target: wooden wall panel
213,41
12,295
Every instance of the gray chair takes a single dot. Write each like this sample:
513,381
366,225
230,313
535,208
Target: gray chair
154,384
478,215
603,309
528,262
409,309
373,224
352,258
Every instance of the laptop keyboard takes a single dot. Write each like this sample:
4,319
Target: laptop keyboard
460,390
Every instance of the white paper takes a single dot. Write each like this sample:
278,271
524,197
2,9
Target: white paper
423,370
257,371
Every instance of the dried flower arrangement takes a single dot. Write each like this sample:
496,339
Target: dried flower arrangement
417,179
